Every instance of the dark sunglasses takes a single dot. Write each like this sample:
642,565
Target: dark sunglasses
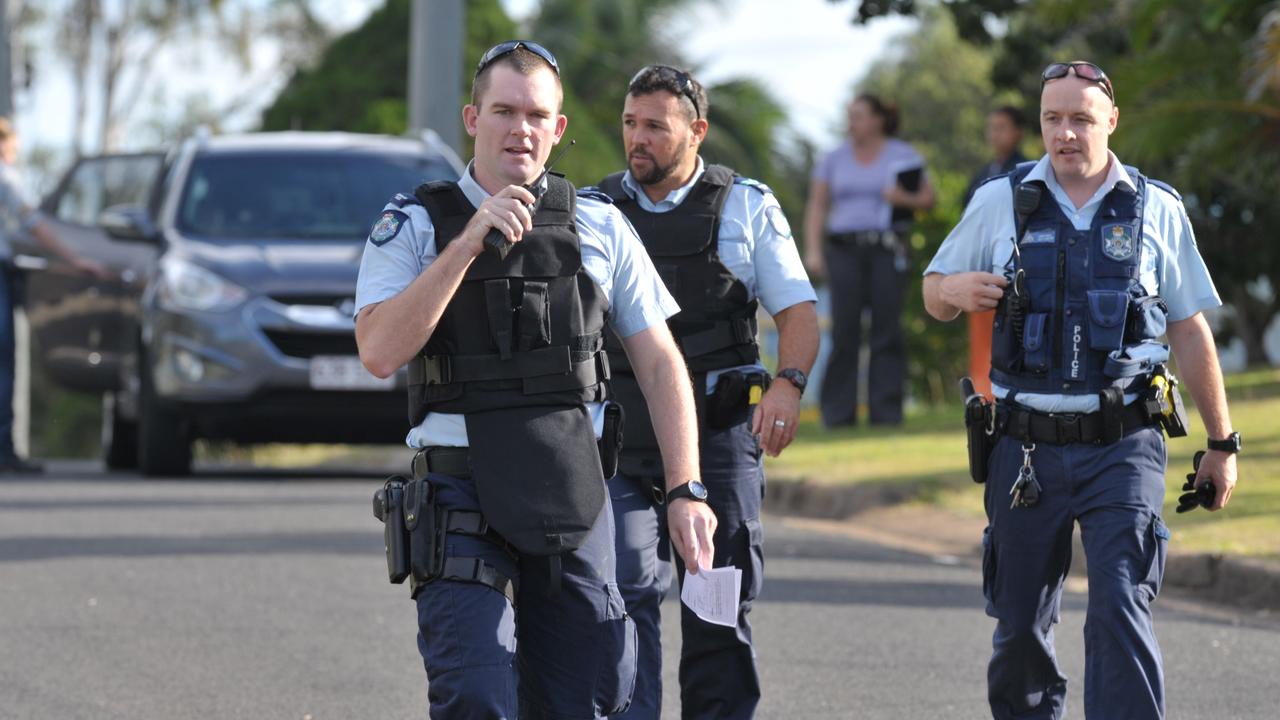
511,46
1083,70
683,82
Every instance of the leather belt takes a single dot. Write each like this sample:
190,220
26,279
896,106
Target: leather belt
1064,428
451,461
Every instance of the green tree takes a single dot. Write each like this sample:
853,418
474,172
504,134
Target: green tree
1198,86
359,85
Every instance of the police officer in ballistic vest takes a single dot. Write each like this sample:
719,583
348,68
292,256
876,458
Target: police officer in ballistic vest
1088,264
723,247
495,291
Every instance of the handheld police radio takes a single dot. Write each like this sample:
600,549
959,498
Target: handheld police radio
1026,198
495,240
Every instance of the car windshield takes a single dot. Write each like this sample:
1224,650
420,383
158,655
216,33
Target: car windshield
295,195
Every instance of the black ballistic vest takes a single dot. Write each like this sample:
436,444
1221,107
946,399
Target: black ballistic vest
716,325
1091,323
519,350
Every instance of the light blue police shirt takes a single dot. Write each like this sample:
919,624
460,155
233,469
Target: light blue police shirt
611,254
754,242
1171,264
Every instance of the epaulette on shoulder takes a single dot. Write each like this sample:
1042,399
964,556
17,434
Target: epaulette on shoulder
1165,187
400,200
594,193
753,184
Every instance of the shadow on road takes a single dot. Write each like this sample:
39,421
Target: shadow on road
367,544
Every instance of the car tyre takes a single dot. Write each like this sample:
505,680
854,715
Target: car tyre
119,436
164,441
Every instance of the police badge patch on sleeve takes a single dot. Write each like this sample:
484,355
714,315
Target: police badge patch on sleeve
778,221
1117,241
387,227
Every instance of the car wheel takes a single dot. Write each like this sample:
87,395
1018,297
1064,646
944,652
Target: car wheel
119,436
164,442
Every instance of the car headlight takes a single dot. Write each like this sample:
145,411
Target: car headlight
191,287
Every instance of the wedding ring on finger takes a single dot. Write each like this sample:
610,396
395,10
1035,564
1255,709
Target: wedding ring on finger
780,423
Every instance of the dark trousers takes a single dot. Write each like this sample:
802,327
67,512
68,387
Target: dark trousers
7,362
718,676
1115,493
860,277
575,655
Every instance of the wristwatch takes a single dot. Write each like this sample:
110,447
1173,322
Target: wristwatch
1229,445
693,490
796,377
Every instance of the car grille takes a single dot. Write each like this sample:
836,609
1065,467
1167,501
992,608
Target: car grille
309,345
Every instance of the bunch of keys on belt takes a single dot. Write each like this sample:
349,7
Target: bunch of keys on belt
1026,489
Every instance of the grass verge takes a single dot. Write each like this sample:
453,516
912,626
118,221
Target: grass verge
928,454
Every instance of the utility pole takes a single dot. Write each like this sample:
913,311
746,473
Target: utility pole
6,63
437,39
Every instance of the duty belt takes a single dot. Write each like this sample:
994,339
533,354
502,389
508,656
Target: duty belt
451,461
1065,428
865,238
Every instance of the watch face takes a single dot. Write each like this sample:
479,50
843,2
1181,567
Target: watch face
698,490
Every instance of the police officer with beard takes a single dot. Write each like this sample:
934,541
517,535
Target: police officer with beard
508,383
723,247
1104,264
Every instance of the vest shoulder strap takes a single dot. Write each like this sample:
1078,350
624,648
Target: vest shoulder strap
611,185
1166,187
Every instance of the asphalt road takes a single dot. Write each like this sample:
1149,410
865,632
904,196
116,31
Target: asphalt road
241,594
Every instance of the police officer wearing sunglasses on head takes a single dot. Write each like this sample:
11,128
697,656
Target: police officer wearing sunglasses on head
1104,264
505,523
723,247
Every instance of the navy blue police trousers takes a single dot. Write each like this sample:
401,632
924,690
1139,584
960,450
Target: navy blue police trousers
559,655
718,676
1115,493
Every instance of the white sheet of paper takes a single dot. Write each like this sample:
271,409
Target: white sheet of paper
713,594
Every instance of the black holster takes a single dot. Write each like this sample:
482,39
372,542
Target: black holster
611,438
1163,402
735,392
388,506
423,523
979,423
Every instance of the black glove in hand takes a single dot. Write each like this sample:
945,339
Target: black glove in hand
1202,496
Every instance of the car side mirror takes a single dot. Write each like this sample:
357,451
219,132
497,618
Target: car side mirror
128,222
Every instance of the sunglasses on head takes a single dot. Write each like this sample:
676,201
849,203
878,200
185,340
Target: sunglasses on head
1083,70
683,82
511,46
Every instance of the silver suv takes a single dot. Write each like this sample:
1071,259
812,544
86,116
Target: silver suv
232,316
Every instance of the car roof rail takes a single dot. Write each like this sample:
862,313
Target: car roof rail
433,141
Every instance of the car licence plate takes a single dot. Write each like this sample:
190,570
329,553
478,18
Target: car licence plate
343,372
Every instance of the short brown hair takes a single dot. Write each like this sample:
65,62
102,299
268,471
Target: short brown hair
522,61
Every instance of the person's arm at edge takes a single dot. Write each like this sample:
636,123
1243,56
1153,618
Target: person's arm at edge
664,380
798,339
49,240
815,218
1197,356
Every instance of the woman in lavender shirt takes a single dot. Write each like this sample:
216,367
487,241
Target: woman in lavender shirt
861,200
